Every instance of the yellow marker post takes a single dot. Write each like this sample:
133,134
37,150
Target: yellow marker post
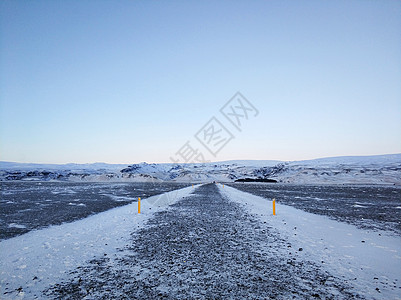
274,207
223,186
139,205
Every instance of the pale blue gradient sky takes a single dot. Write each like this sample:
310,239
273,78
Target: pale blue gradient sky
131,81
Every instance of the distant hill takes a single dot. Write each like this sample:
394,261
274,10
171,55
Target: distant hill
378,169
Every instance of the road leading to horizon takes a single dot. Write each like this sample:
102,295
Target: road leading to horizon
203,247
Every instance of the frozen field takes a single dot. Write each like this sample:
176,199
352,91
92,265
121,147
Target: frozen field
32,205
369,207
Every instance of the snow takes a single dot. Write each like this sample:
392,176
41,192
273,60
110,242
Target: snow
37,259
367,259
377,169
360,206
14,225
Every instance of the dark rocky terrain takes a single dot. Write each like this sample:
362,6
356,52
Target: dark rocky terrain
26,206
369,207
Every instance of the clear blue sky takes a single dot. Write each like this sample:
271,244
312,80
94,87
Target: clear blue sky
131,81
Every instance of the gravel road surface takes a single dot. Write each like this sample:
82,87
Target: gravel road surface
204,247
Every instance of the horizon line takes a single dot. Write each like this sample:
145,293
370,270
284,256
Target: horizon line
183,163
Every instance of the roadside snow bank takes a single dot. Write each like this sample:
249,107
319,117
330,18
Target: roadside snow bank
369,260
32,262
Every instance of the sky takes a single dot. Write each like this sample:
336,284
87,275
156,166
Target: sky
132,81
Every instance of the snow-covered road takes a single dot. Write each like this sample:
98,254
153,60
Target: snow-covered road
31,262
204,246
202,242
370,261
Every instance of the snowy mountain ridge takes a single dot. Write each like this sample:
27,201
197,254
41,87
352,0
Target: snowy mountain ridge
378,169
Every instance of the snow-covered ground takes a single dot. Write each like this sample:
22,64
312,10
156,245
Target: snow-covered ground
377,169
29,205
369,260
32,262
